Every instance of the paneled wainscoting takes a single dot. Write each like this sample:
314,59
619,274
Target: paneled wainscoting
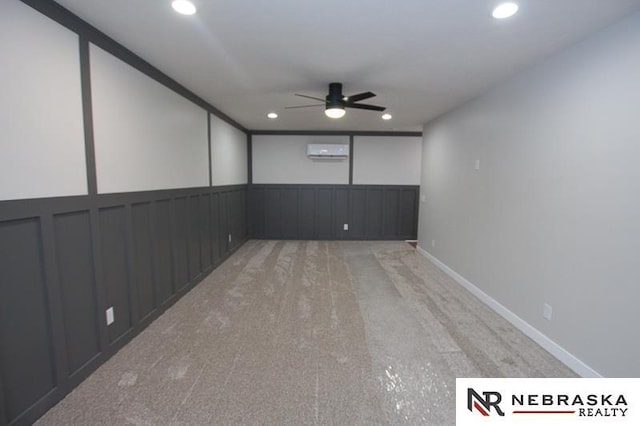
65,261
319,212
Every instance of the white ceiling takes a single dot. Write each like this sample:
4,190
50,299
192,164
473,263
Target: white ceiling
421,57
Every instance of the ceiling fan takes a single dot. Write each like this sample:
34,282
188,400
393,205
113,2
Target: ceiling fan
335,102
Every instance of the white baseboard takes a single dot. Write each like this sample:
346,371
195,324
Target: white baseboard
552,347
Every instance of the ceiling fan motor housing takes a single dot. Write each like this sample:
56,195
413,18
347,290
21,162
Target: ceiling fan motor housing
335,96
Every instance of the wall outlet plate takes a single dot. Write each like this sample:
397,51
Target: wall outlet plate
547,311
346,227
110,316
229,237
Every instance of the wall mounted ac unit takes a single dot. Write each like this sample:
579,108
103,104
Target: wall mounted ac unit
328,151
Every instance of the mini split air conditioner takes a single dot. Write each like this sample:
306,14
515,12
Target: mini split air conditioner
328,151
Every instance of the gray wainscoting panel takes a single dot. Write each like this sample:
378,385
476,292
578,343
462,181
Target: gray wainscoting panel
324,212
64,261
26,361
143,258
216,235
113,241
77,287
342,200
181,242
391,204
307,214
223,210
237,210
408,213
163,251
205,232
194,237
321,212
358,217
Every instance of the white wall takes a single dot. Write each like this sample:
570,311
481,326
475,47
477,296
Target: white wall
228,154
283,159
553,213
386,160
147,137
41,129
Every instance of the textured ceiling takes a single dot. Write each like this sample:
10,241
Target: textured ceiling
421,57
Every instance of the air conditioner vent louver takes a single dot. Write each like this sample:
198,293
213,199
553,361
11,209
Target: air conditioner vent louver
328,151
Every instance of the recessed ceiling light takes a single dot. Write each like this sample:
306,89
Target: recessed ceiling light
272,115
387,116
504,10
184,7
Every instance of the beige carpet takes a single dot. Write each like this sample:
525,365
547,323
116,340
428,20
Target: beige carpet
308,332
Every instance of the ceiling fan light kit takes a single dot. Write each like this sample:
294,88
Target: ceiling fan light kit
334,112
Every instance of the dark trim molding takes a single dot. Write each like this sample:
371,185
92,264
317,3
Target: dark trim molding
249,159
67,19
351,159
333,133
87,116
209,149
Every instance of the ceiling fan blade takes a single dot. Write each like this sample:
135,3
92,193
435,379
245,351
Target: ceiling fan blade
365,106
304,106
360,97
310,97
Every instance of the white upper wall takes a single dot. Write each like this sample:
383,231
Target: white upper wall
228,154
283,159
552,215
147,137
41,128
386,160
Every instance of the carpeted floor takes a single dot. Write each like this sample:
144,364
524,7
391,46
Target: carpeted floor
308,332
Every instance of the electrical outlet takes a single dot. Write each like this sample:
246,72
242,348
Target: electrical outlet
433,243
110,316
477,166
229,237
346,227
423,198
546,311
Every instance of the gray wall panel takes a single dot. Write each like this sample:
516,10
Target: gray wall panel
290,213
373,213
307,213
143,258
257,213
408,217
358,213
115,272
273,213
205,231
26,365
223,225
193,226
101,251
77,286
341,201
321,211
181,241
324,212
163,251
391,212
216,246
